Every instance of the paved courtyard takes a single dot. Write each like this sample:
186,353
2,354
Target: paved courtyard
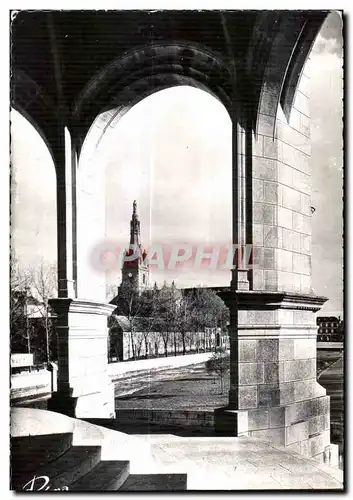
180,388
214,463
190,387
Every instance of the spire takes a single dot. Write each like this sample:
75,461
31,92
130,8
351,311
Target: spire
134,226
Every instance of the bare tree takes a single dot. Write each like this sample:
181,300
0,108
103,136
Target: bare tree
219,364
159,315
183,321
131,305
19,290
206,311
167,306
31,287
43,282
138,343
149,315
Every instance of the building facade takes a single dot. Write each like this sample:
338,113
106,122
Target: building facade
330,329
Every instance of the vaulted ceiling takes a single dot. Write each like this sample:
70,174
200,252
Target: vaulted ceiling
67,66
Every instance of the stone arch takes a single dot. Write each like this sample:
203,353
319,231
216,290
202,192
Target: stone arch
146,70
296,66
136,93
32,166
91,201
289,51
108,96
31,101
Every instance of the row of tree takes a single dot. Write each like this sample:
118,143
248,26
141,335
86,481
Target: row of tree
174,316
166,316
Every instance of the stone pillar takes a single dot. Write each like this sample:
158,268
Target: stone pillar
84,387
274,393
239,281
93,250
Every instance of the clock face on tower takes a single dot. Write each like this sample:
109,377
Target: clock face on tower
130,275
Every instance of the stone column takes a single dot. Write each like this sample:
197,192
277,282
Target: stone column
240,279
65,175
84,386
274,393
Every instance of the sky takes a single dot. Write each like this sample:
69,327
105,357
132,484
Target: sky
327,164
175,161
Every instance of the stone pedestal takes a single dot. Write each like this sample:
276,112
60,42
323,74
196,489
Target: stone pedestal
84,388
274,393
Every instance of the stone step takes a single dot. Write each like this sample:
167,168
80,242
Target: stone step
155,482
108,475
30,453
68,468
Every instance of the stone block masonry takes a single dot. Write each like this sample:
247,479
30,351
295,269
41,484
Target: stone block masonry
281,192
84,386
274,393
177,419
273,372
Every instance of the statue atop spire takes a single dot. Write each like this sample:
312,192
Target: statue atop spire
134,226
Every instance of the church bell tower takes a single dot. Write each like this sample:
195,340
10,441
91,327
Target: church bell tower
135,271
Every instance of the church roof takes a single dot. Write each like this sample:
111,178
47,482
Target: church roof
123,322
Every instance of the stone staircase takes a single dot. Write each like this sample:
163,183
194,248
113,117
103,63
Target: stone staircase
81,469
81,456
50,451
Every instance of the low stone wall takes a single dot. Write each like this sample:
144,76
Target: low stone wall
38,383
196,420
28,379
29,392
119,370
30,384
